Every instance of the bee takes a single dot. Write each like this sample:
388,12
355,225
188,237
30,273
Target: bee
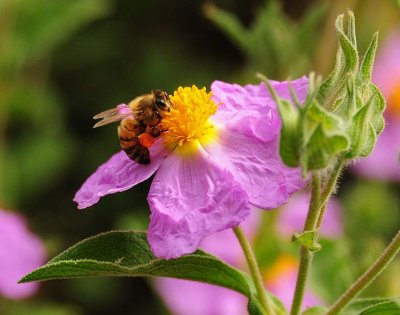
139,125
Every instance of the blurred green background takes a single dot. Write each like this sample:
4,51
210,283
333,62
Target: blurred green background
63,61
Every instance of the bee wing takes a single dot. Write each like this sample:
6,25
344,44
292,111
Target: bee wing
106,113
112,115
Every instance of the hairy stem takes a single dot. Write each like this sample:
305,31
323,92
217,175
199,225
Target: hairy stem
305,254
254,270
319,199
370,275
326,194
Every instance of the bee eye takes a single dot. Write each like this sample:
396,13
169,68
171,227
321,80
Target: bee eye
160,103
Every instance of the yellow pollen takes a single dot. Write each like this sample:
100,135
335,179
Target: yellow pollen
187,125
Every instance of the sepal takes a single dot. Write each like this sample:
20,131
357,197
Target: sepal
341,118
307,239
311,136
349,93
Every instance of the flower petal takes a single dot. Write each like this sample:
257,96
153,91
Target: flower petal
188,297
293,215
118,174
191,198
383,162
254,106
256,165
236,98
233,254
21,252
386,72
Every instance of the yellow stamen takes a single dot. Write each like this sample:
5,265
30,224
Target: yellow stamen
187,125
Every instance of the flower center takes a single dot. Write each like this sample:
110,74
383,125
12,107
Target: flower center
187,125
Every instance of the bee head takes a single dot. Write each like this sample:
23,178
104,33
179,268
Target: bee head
162,101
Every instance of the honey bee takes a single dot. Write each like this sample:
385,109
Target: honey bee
139,123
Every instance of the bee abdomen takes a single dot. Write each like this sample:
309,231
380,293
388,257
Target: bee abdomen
128,133
139,154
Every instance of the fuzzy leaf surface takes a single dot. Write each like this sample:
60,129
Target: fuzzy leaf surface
127,254
373,306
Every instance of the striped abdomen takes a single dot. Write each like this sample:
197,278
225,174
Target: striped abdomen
128,133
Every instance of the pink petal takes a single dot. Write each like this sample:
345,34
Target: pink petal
191,198
186,297
20,253
118,174
386,73
206,299
293,215
216,243
256,165
384,161
251,109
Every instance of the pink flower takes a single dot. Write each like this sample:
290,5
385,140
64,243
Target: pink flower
205,299
184,297
384,161
20,252
293,215
281,281
218,156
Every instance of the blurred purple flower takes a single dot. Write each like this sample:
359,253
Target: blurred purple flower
213,162
20,252
205,299
281,281
293,214
384,161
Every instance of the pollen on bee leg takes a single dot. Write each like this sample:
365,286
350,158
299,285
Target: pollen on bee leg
146,139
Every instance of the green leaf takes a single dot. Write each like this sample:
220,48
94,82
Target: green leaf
384,308
349,52
316,310
373,306
362,133
39,28
351,28
321,150
127,254
120,253
308,239
272,41
369,59
229,24
289,144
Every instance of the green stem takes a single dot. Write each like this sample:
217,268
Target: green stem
330,187
370,275
254,270
305,254
316,210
